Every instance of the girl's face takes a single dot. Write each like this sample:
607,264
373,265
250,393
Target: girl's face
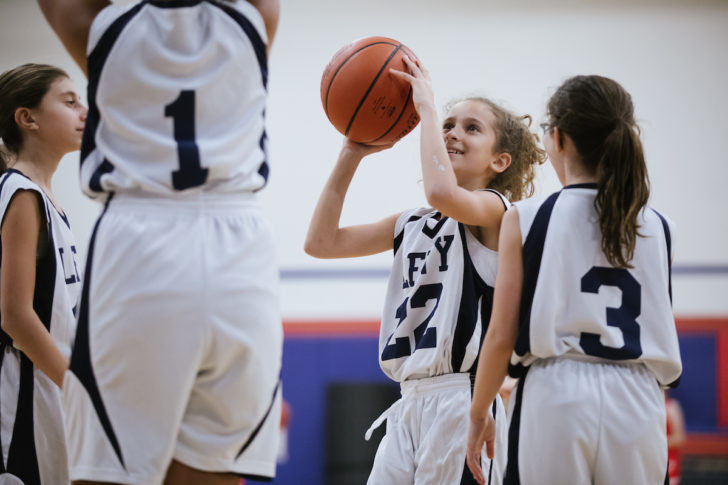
470,139
61,117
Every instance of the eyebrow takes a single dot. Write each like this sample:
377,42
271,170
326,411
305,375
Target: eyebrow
465,121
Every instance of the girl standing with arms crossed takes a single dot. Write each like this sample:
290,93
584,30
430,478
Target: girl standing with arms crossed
41,120
439,296
583,308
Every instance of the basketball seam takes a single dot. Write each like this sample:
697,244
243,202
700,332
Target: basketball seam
333,76
369,89
401,113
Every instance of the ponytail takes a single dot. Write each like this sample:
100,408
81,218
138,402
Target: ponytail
598,115
4,159
623,190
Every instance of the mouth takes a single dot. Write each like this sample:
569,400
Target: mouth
453,151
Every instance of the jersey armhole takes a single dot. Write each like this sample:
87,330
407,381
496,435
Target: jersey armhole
43,242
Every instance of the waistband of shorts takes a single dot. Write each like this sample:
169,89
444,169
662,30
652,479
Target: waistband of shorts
435,384
576,357
192,202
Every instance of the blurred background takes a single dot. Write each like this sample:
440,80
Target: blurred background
670,55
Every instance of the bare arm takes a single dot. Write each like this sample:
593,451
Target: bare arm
20,231
677,436
475,208
71,21
499,341
270,11
325,239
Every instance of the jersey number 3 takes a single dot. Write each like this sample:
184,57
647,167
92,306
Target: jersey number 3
624,317
190,173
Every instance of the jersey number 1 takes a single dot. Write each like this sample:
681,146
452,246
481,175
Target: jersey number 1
624,317
182,112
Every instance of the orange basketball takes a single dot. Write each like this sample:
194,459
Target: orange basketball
362,99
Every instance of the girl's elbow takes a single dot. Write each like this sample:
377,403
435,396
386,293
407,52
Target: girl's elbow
311,248
10,321
437,197
315,248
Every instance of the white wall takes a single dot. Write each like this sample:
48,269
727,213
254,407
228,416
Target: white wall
671,56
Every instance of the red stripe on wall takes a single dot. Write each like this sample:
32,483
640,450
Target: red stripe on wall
330,328
689,324
706,444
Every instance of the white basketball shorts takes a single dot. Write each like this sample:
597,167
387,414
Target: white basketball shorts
427,433
586,423
178,348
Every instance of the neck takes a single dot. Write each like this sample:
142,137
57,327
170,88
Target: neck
473,183
37,164
576,173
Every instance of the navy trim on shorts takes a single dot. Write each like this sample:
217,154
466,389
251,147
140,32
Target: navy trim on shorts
532,254
22,456
81,354
262,421
512,475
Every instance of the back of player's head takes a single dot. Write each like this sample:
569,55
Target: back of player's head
598,115
22,87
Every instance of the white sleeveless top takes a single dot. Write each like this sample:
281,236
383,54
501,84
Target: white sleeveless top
575,303
58,272
177,96
439,297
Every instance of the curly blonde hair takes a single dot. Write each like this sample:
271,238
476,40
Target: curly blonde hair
513,136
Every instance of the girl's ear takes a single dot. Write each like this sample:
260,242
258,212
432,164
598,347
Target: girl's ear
501,163
25,119
559,137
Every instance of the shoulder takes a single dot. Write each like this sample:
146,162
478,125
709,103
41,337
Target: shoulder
11,182
503,198
105,18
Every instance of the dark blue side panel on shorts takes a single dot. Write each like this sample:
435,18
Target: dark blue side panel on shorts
81,354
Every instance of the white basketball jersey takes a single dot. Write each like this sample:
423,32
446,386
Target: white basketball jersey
31,424
58,281
439,297
177,96
575,302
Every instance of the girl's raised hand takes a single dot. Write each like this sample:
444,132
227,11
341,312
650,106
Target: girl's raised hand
419,78
360,150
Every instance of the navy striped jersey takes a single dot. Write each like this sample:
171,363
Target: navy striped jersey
439,297
58,273
177,94
574,302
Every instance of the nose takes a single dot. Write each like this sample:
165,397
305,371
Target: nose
451,134
84,112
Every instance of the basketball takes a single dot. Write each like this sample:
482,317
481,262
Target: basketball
362,99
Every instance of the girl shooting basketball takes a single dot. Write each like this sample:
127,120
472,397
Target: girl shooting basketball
41,120
439,296
583,308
